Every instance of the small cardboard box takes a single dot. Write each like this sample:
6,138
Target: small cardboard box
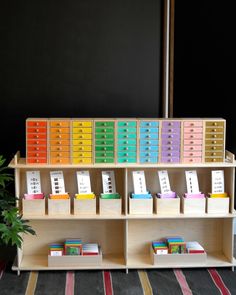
170,206
33,207
140,206
110,206
58,207
217,205
193,205
84,206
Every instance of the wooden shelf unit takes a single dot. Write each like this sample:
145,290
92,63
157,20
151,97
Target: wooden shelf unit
125,239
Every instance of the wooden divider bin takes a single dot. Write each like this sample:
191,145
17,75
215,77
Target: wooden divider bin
140,206
217,205
110,206
75,260
84,206
167,205
58,207
193,205
179,259
33,207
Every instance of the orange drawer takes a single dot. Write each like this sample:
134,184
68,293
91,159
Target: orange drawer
59,136
193,136
36,160
214,154
60,123
60,148
193,123
216,135
192,154
193,130
36,136
190,148
215,130
82,161
214,160
215,123
37,148
58,160
82,130
59,142
82,123
192,141
36,130
60,154
60,130
36,123
36,142
82,136
36,155
82,155
192,160
82,148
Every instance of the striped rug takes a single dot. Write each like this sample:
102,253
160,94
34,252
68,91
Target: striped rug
213,281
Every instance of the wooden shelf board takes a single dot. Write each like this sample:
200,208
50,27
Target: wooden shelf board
74,217
144,261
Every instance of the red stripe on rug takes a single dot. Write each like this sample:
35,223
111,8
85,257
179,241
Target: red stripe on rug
218,281
70,283
108,289
182,282
2,268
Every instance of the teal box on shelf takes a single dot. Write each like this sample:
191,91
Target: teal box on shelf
141,196
141,203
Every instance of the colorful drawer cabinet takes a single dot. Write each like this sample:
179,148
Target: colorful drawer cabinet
59,141
148,141
36,141
170,141
82,142
126,141
104,141
214,140
192,151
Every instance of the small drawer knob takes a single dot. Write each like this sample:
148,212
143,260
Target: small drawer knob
37,124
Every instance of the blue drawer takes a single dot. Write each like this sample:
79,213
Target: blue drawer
149,130
152,148
148,160
149,142
148,154
149,136
149,123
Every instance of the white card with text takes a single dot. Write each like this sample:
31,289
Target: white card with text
164,181
139,182
33,182
57,182
83,181
108,182
217,182
192,182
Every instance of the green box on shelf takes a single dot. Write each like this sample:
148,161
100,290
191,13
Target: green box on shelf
110,196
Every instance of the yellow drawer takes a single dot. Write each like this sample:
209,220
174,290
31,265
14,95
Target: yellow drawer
82,123
82,154
214,154
82,136
60,123
59,142
81,148
60,154
82,142
214,141
82,160
58,160
215,130
82,130
59,136
60,130
60,148
215,123
215,135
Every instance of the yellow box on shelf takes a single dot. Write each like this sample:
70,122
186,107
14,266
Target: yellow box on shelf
224,195
85,196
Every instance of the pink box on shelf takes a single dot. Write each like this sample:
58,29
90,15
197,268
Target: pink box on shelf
33,196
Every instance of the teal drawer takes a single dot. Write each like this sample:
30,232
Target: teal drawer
104,124
127,154
104,154
104,148
123,148
127,160
127,130
127,135
104,130
104,136
127,124
104,142
127,142
104,160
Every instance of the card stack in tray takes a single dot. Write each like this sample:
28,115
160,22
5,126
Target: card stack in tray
73,247
90,249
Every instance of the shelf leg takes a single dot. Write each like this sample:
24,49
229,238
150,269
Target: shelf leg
232,268
127,271
18,272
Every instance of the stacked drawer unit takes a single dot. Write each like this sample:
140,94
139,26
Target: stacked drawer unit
214,141
192,141
36,141
105,141
170,141
59,140
148,141
82,133
126,141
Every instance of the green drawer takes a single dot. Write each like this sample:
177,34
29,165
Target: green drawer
104,142
127,160
104,154
125,148
104,160
127,154
127,142
104,124
125,130
104,136
127,135
127,124
104,148
104,130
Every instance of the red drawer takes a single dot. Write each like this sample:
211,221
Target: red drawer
37,155
36,136
36,160
37,148
36,130
36,142
36,123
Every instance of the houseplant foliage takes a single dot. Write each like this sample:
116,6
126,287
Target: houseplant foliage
11,223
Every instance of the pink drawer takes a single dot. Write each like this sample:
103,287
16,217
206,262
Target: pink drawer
190,148
193,123
192,154
193,130
192,160
193,136
192,141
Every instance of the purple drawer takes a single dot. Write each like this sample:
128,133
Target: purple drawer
170,136
170,130
170,159
170,154
170,141
171,124
166,148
